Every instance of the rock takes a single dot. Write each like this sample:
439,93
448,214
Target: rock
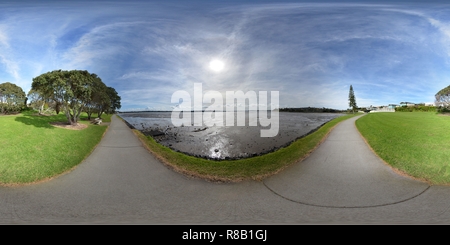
154,133
200,129
97,121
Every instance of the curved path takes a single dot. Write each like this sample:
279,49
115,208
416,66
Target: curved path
341,182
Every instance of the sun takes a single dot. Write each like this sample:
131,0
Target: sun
216,65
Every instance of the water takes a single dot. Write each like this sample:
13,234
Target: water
226,142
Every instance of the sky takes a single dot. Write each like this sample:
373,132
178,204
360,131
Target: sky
310,52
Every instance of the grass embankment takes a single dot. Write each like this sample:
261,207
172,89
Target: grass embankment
255,168
416,143
33,150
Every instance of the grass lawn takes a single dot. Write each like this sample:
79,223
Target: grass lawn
416,143
33,150
254,168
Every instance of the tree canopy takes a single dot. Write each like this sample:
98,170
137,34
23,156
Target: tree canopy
74,91
35,100
443,98
103,99
97,97
113,101
12,98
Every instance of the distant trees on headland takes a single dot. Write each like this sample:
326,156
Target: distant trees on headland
311,109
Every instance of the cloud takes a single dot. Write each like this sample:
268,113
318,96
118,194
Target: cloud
309,52
10,65
308,47
101,43
3,37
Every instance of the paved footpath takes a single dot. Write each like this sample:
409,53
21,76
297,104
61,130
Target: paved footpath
341,182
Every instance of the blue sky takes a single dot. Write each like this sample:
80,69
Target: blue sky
311,53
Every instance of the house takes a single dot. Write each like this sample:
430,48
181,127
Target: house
383,108
407,104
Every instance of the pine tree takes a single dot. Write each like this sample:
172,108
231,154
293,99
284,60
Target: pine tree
352,100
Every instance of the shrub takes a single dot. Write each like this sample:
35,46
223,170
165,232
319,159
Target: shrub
416,108
442,109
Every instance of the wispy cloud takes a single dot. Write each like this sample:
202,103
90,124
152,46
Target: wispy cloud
10,66
310,52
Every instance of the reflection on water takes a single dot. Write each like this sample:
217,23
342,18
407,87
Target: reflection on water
240,140
162,119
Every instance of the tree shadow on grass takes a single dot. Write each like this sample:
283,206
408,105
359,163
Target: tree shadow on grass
38,121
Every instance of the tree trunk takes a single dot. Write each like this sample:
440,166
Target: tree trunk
41,108
57,108
73,119
77,115
69,116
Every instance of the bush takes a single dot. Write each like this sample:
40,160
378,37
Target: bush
416,108
442,109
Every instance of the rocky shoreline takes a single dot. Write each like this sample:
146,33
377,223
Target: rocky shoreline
166,139
230,142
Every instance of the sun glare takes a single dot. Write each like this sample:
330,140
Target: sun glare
216,65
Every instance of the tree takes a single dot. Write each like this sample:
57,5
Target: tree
98,96
443,98
12,98
352,100
37,101
113,103
103,99
69,89
75,91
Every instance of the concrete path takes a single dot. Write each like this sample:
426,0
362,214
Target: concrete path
342,182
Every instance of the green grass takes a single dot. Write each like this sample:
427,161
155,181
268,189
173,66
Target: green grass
416,143
254,168
33,150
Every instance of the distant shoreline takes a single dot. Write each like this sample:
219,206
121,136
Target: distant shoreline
298,109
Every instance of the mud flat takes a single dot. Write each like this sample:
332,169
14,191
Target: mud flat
226,142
